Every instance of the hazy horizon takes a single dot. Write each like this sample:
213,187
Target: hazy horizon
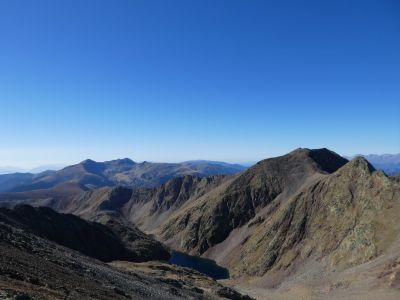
171,81
58,164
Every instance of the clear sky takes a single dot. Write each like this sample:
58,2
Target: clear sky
177,80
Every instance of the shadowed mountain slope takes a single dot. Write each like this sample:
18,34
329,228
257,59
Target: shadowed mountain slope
112,241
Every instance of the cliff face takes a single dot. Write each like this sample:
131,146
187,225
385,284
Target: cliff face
177,191
146,207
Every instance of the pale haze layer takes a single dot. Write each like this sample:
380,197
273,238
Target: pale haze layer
178,80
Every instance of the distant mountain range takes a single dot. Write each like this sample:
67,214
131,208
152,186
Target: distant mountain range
90,174
390,163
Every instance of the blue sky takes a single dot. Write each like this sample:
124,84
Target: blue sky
175,80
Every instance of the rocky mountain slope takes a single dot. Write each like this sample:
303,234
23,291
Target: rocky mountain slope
145,207
342,220
125,172
208,222
33,267
111,240
194,214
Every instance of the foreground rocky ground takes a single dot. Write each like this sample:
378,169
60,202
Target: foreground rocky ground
32,267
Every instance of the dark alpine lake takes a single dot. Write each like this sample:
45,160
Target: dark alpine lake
203,265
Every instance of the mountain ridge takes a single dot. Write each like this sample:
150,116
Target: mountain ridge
125,172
